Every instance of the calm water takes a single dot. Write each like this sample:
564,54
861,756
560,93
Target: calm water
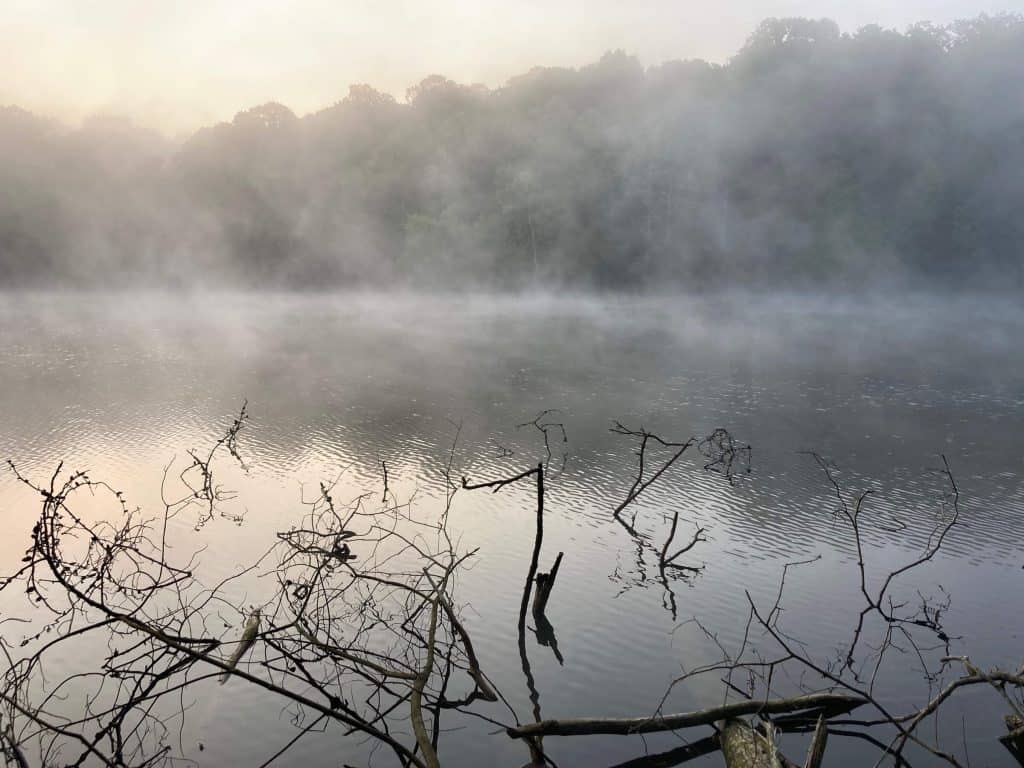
335,384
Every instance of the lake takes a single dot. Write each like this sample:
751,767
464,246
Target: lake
336,384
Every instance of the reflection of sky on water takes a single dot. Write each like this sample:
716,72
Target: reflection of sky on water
337,384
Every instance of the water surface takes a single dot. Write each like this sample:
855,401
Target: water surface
335,384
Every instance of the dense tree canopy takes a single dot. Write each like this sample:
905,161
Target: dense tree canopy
812,157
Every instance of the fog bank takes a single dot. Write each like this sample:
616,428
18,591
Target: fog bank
812,158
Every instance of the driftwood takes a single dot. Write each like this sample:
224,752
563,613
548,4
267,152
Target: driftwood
744,747
833,703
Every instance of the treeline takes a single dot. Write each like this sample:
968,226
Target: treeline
813,157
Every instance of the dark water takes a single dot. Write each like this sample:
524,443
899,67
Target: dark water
122,385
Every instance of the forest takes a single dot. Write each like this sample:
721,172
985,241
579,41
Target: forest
812,158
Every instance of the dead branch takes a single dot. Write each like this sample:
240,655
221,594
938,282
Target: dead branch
545,584
641,483
835,703
360,626
816,751
544,425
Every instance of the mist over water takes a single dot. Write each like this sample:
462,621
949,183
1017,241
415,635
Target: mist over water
336,383
815,245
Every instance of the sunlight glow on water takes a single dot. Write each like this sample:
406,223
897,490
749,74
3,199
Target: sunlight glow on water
336,384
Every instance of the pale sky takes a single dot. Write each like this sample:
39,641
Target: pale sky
177,64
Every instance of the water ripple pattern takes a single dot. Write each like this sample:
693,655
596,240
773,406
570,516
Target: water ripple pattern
338,384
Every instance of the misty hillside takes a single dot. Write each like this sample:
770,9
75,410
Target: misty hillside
811,158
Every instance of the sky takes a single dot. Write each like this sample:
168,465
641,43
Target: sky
174,65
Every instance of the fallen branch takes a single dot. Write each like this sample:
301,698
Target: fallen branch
834,703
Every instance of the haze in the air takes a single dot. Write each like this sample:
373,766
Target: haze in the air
174,66
612,146
332,331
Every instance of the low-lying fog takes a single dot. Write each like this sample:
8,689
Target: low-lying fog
816,246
